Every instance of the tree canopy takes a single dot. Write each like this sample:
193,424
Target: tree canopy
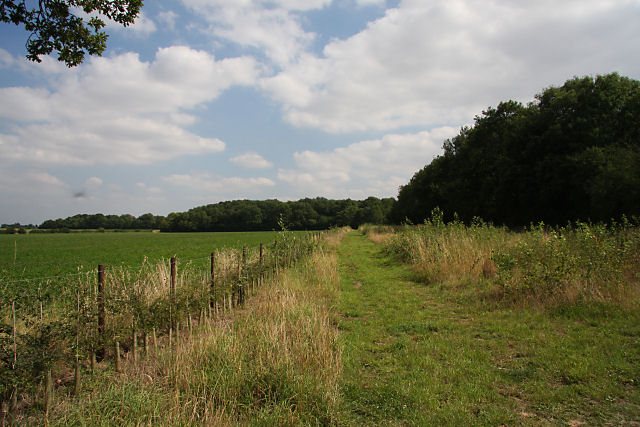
243,215
54,25
572,154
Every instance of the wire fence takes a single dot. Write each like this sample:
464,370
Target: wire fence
89,316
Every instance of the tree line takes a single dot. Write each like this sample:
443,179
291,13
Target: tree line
242,215
572,154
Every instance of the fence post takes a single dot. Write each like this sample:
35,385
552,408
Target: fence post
101,313
134,345
76,383
48,390
118,369
243,269
213,280
14,394
275,251
172,290
261,276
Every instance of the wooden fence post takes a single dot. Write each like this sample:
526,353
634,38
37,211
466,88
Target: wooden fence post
275,251
48,390
172,290
14,394
134,345
212,300
76,382
101,313
243,270
261,276
118,368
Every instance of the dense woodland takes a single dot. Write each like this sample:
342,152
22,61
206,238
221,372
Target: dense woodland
243,215
572,154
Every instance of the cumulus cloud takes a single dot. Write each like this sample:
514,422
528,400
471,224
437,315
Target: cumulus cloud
373,167
119,109
251,160
274,27
205,182
443,61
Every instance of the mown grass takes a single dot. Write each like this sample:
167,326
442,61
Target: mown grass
276,361
431,353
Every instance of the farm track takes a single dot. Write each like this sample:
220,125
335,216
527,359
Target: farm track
386,322
427,354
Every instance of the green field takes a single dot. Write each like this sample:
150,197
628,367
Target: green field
26,256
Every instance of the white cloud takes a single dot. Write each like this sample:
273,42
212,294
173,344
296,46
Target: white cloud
443,61
143,26
94,181
28,193
375,167
204,182
29,181
272,26
370,2
251,160
168,18
119,109
6,59
115,141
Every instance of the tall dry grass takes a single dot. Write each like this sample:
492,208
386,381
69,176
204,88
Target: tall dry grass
379,234
544,266
451,254
277,361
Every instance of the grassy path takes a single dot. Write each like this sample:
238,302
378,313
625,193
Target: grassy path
413,355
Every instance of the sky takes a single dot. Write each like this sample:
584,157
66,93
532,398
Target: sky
202,101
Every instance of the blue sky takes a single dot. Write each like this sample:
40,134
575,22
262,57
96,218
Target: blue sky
208,100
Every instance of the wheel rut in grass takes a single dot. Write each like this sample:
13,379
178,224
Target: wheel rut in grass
387,320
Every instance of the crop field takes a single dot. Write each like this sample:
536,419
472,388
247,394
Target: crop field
27,256
55,322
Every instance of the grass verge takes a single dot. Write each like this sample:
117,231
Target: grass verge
425,354
275,362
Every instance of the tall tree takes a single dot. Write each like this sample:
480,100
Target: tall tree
573,154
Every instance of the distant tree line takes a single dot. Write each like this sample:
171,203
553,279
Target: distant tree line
572,154
97,221
243,215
